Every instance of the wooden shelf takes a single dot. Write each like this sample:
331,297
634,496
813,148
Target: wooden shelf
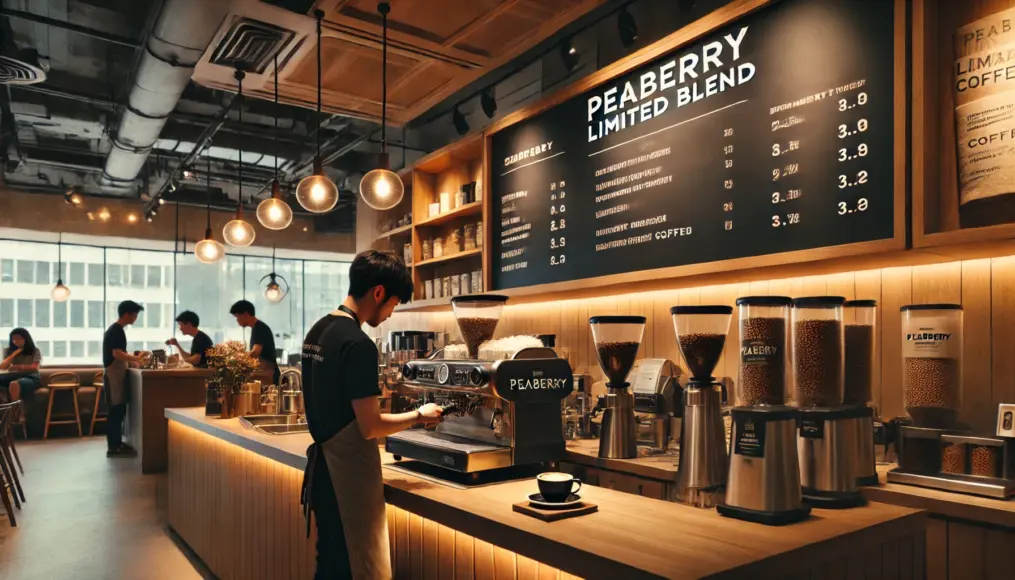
397,231
432,304
470,209
450,258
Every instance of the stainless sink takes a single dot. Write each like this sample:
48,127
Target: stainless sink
275,424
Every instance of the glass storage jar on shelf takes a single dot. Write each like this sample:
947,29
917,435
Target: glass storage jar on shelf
932,364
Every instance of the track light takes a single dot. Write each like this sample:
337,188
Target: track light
569,54
73,198
162,201
489,103
627,27
172,187
188,174
132,218
461,125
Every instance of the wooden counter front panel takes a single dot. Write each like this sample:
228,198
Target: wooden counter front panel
241,514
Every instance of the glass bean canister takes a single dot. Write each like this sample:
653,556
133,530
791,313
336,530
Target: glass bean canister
932,364
859,319
763,354
818,352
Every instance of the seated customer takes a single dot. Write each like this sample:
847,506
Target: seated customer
19,370
188,323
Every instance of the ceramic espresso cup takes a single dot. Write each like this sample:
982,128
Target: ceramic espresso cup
557,487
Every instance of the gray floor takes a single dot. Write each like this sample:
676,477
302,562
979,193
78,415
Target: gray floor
88,517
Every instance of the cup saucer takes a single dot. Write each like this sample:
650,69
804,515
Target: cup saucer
536,499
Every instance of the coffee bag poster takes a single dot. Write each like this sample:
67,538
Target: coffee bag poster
984,86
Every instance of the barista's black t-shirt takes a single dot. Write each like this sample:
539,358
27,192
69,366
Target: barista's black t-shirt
261,334
114,339
339,366
202,342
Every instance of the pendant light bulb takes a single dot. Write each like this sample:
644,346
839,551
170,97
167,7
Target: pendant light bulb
274,213
209,250
381,188
59,293
315,192
238,232
273,292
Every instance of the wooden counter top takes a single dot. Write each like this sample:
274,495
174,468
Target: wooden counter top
630,536
586,452
191,372
944,503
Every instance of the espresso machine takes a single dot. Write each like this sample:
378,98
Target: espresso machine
701,473
401,347
498,413
617,340
763,485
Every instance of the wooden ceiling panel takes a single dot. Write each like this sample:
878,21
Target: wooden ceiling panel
423,83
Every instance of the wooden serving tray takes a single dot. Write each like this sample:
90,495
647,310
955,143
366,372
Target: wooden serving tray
548,515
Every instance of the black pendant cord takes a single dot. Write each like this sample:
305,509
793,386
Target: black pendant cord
59,258
384,8
276,112
208,197
319,15
239,191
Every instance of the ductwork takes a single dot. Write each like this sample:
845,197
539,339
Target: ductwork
181,34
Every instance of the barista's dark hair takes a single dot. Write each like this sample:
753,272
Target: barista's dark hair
128,307
372,268
188,317
243,307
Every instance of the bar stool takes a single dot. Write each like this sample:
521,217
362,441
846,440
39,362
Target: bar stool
15,415
9,477
64,381
100,384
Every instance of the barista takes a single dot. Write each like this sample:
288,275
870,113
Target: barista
340,394
115,359
262,341
188,323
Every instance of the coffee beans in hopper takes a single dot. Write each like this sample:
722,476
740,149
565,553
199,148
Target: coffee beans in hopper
763,380
701,352
817,360
983,460
931,390
953,458
616,359
859,363
476,331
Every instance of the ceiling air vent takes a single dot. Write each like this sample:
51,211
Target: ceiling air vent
21,69
251,43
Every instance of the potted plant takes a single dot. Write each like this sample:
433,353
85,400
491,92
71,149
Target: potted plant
233,367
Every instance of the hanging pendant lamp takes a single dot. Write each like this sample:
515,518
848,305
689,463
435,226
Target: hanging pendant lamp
209,250
60,293
274,213
382,188
275,292
315,192
238,232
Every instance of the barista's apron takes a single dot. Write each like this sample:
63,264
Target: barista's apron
354,464
115,378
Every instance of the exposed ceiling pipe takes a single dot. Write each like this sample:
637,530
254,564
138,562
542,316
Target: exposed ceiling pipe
178,40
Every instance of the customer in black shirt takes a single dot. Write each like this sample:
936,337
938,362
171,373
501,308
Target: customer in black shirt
115,359
340,386
188,322
262,341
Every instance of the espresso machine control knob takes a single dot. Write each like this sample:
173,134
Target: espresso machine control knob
443,374
478,376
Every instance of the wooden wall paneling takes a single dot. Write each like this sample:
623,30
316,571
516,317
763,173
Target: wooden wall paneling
464,557
854,565
934,283
872,563
402,533
1000,557
966,551
842,284
890,554
526,568
919,556
446,552
548,573
430,562
1002,285
415,546
937,549
814,286
759,288
505,566
896,291
483,560
977,407
664,343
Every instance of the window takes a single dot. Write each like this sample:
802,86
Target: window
59,349
115,274
42,272
135,346
6,270
168,276
154,314
150,346
112,314
25,313
26,271
43,346
77,313
59,315
209,290
94,348
77,349
140,318
77,274
42,312
95,275
154,276
137,275
95,319
6,312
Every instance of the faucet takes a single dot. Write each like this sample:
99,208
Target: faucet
292,378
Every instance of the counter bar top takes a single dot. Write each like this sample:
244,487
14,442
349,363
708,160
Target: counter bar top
630,536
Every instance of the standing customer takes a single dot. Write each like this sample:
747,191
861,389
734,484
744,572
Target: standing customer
262,341
115,360
21,366
343,483
188,323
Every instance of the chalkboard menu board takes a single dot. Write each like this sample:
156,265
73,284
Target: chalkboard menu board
774,133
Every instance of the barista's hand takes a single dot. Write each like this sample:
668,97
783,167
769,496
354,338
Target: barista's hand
430,413
173,342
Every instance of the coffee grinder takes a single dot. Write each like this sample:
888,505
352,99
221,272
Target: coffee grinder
701,474
860,319
764,474
617,340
